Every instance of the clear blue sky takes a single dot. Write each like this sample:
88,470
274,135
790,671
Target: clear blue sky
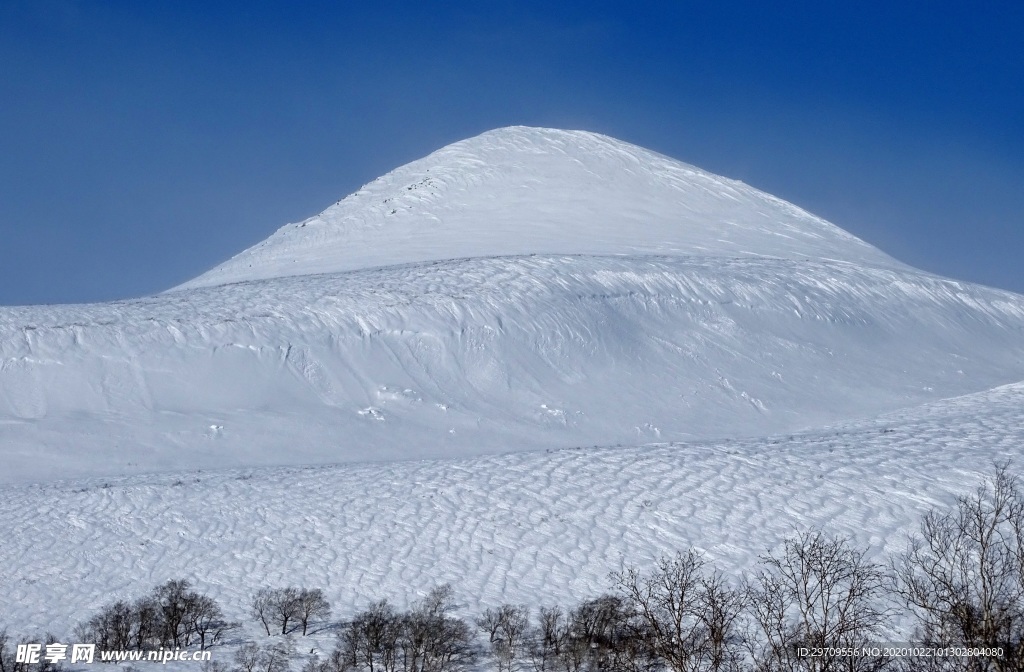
142,143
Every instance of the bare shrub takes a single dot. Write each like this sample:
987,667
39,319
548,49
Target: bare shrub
172,615
690,617
821,593
431,639
962,577
506,629
544,641
370,640
251,657
603,634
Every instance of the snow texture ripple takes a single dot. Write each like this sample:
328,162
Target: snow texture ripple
533,528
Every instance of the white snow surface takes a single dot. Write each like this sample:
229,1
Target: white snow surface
485,355
533,528
523,190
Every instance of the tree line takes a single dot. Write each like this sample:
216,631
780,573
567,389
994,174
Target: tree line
808,606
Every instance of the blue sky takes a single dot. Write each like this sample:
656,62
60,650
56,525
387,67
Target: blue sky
142,143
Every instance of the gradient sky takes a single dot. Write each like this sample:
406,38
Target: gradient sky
142,143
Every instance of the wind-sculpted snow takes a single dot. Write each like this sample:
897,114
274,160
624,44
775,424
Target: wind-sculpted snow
475,356
534,528
526,190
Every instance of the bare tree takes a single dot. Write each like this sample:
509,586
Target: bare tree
277,657
8,654
819,593
546,639
439,602
690,616
171,615
172,599
606,633
549,639
247,657
147,623
962,577
261,608
452,648
312,606
251,657
574,649
43,664
370,640
112,628
431,639
285,607
204,618
721,611
598,634
506,629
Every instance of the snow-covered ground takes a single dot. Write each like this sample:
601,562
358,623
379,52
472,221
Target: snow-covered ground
512,365
536,528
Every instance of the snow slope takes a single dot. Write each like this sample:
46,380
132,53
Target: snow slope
486,355
535,528
522,190
680,305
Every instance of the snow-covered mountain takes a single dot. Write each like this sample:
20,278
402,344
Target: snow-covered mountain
517,191
524,289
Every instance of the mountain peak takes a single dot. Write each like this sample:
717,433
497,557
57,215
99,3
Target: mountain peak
522,190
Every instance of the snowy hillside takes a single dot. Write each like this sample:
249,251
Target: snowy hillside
486,355
522,190
538,528
680,306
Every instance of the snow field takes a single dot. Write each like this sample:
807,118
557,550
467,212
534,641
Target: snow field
534,528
